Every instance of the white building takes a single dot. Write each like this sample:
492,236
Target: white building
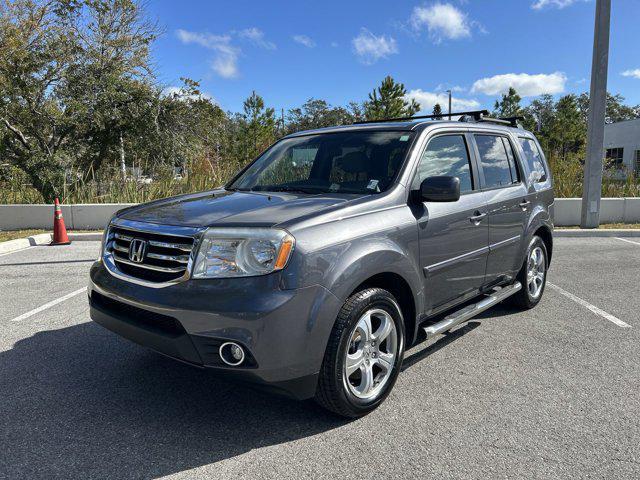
622,145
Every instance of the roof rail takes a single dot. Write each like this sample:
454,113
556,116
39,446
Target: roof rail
476,114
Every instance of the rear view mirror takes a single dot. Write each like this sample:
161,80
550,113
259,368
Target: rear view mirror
440,189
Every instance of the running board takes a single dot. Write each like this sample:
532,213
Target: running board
470,311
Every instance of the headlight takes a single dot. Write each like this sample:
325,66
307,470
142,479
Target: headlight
242,252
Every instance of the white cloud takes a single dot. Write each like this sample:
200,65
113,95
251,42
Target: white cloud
256,36
371,48
442,20
540,4
304,40
635,73
335,44
526,85
442,87
428,99
225,62
206,40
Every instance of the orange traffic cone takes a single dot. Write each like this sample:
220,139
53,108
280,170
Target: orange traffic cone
59,230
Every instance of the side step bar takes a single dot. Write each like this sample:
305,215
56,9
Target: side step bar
470,311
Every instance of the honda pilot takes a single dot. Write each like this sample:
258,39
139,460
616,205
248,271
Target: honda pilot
317,266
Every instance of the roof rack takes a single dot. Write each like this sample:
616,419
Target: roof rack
476,114
514,121
471,116
509,121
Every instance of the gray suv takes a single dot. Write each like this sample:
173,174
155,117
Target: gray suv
324,259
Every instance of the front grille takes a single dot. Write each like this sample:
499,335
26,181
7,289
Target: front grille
139,317
164,258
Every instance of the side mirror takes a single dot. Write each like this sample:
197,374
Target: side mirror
440,189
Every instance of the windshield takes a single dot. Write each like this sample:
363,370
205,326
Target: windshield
346,162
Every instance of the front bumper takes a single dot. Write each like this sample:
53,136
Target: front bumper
284,331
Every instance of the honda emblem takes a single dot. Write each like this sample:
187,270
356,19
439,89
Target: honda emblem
137,250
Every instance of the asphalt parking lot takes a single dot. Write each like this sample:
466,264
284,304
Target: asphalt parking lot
551,392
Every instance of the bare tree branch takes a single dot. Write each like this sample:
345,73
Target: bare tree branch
17,133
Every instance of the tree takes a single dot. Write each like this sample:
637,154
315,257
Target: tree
568,131
74,83
437,111
259,126
509,105
388,101
616,110
316,113
35,53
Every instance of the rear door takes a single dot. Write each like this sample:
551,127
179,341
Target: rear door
507,203
453,236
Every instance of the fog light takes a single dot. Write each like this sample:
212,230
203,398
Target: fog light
231,353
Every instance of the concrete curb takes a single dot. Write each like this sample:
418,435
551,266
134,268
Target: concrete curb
604,232
85,237
43,239
566,212
77,216
22,243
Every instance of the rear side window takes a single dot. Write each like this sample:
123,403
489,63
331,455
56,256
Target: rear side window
497,165
446,155
515,175
533,158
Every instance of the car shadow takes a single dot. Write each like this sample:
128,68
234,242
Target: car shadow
443,340
80,402
497,311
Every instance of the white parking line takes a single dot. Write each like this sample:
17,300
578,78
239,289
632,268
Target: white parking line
628,241
52,303
587,305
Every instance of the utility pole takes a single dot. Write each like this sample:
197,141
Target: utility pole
449,92
592,185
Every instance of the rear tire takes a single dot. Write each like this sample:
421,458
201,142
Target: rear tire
532,275
364,354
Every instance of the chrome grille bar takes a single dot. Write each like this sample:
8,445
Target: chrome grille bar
185,247
150,267
167,258
172,258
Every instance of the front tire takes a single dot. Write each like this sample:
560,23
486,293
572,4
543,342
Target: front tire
532,275
363,355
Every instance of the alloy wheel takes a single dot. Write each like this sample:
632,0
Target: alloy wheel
536,270
371,354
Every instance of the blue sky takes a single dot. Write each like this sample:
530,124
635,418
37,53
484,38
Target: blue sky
340,50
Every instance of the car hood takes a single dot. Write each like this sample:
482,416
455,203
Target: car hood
226,208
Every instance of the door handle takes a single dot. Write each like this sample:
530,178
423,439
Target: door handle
524,204
477,217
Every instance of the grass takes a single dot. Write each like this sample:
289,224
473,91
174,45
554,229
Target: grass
14,234
7,235
108,187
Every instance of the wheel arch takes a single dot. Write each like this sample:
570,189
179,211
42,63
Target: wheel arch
544,232
397,286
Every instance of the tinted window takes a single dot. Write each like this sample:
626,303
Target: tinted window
533,158
345,162
446,155
494,160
